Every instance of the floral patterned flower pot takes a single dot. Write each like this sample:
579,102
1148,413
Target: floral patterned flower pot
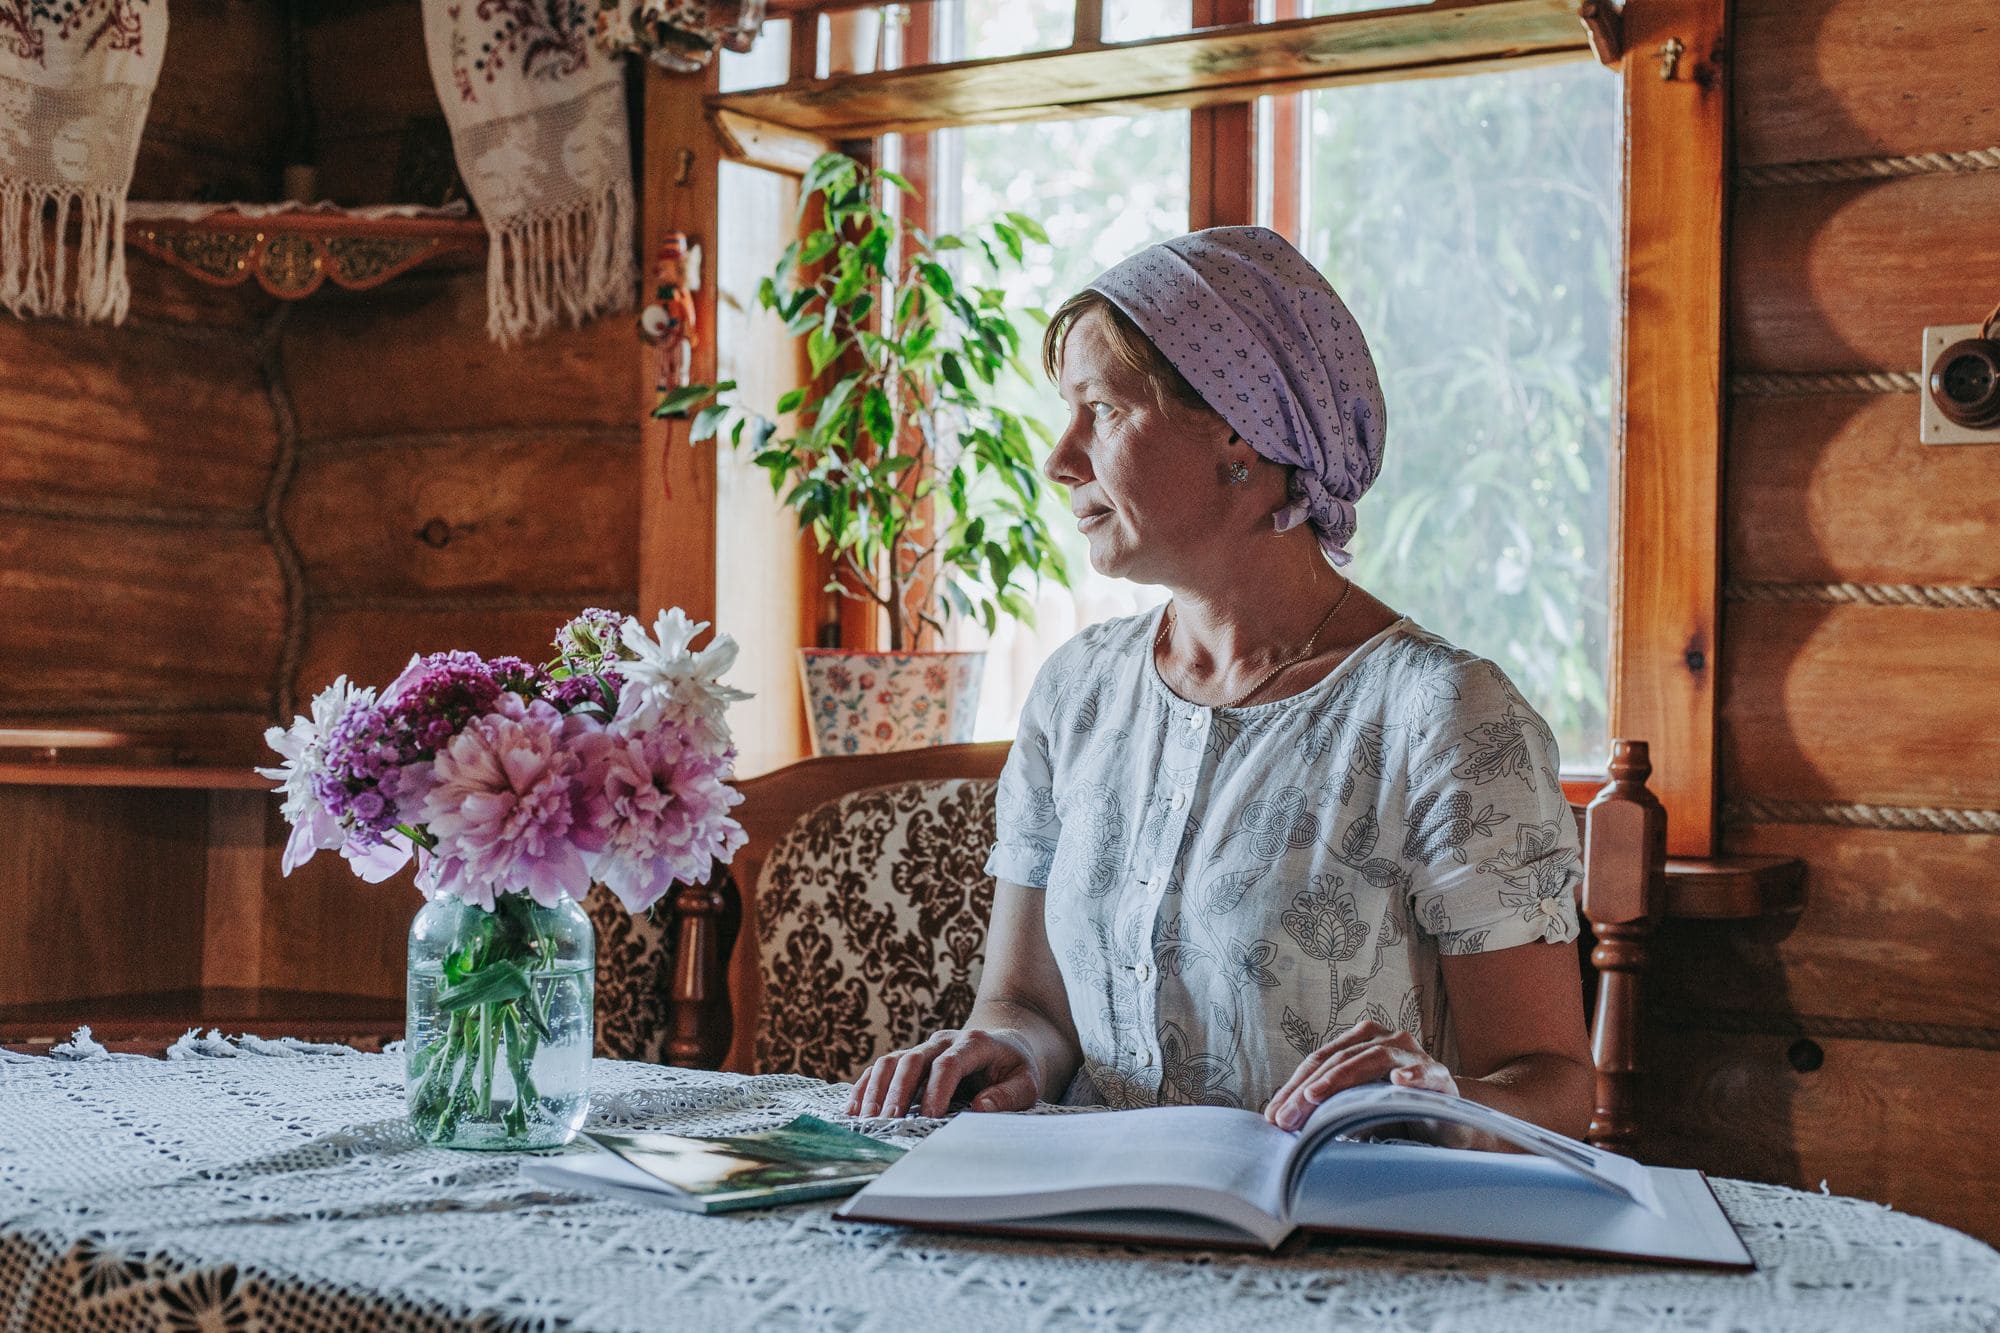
871,703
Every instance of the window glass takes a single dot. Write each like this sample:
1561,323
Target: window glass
1134,20
1471,225
1102,188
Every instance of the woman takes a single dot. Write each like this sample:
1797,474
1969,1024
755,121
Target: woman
1274,840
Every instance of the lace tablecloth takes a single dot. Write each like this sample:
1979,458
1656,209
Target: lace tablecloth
257,1184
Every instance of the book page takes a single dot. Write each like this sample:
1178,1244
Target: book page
1216,1162
1509,1200
1384,1103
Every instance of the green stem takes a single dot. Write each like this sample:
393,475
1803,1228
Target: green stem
488,1033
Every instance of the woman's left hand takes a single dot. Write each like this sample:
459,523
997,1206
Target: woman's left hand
1364,1053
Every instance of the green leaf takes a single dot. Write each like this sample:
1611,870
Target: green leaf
954,373
1009,238
829,171
818,246
707,421
944,243
676,403
897,181
491,984
880,421
822,346
789,401
1027,224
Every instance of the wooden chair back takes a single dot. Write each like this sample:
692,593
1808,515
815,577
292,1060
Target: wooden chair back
716,992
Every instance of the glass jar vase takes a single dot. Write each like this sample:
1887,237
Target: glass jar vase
498,1041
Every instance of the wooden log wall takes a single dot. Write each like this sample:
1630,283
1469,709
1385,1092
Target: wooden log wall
1860,720
207,514
138,587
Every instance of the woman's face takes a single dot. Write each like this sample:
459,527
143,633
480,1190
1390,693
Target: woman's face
1146,482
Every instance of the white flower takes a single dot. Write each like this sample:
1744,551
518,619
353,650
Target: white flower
303,748
677,682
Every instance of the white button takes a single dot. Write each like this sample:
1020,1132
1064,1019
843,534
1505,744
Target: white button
1144,971
1180,800
1193,721
1145,1059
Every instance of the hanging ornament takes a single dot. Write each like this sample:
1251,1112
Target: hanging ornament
667,323
679,35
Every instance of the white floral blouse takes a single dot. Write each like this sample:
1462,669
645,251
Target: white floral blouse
1229,887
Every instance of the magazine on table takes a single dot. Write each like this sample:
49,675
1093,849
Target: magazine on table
807,1158
1222,1176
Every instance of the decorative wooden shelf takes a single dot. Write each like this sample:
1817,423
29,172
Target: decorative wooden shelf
53,756
1734,888
292,254
163,1016
1235,63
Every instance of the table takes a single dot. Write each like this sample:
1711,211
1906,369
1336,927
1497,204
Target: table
246,1184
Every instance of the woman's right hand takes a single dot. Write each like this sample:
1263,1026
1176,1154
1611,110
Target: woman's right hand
997,1065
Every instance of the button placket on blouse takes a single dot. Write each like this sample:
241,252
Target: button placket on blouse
1155,870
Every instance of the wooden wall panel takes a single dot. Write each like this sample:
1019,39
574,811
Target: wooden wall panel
373,68
363,111
222,78
139,420
1846,276
1878,940
371,645
162,618
1837,488
325,929
1822,79
1884,705
216,122
1902,1124
543,511
414,356
102,890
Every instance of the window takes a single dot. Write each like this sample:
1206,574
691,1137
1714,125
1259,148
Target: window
1471,224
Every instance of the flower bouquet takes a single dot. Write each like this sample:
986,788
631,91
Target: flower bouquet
515,787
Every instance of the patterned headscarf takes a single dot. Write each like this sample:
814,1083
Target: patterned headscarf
1270,346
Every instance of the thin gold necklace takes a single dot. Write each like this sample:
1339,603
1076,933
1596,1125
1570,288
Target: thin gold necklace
1167,623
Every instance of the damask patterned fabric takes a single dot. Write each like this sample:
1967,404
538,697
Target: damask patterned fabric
871,925
1230,887
633,953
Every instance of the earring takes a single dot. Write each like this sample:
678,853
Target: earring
1239,471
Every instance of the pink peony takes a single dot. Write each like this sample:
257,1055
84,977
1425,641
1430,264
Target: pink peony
658,805
504,801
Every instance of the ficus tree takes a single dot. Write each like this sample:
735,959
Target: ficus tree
902,463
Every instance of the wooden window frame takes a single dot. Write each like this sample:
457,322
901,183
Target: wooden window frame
1667,445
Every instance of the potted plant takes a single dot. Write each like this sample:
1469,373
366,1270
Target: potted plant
904,464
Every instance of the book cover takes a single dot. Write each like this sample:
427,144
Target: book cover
805,1159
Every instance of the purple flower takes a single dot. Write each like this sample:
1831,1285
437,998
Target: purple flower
599,689
586,640
659,800
360,777
504,802
438,694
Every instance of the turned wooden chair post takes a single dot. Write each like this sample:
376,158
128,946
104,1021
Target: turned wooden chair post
1625,867
705,918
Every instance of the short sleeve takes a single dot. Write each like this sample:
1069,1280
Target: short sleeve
1489,838
1025,823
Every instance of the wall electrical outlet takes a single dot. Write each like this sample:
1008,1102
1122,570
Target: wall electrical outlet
1935,427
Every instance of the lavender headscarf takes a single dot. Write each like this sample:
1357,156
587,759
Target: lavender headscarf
1269,345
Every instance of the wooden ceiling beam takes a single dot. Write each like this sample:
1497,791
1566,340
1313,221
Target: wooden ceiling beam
1237,62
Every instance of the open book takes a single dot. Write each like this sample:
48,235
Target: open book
1219,1176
